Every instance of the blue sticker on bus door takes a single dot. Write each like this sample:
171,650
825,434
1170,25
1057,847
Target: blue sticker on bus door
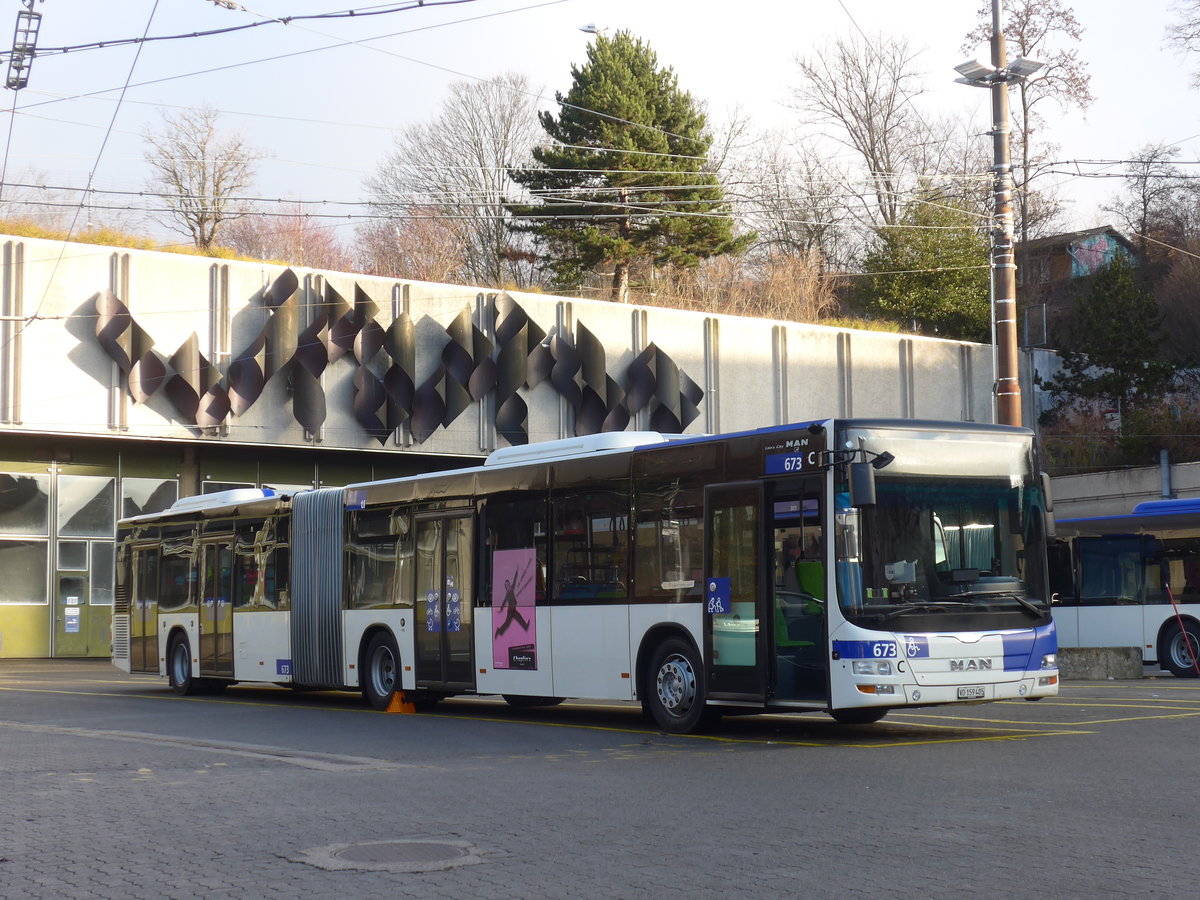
433,611
283,667
717,596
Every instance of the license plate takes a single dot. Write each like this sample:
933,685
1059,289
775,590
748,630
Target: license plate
971,693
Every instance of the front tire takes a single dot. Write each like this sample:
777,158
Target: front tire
381,670
675,688
1182,646
863,716
179,667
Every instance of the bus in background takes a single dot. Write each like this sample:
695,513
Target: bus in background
844,566
1132,580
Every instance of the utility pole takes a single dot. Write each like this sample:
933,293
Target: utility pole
996,78
1004,262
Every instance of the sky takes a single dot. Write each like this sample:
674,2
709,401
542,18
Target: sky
324,97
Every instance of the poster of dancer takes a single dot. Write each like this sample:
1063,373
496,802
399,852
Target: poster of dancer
514,615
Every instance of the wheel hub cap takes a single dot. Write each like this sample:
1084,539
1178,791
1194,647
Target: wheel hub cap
676,685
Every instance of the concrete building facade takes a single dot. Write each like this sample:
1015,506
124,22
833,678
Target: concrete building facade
130,378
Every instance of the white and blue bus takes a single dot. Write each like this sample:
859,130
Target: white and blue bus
844,566
1132,580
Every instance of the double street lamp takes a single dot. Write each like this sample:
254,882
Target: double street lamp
997,77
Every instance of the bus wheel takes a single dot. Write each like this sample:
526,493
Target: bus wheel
858,716
675,688
1183,647
179,667
381,676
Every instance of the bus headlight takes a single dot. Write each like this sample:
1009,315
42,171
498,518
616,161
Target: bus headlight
1049,661
872,667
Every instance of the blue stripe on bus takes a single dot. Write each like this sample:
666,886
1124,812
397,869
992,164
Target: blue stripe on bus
1024,651
866,649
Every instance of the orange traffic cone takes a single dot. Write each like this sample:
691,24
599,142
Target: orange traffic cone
400,704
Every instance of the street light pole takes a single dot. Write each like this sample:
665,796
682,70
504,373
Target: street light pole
996,78
1004,264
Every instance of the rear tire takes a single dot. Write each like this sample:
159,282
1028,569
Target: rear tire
381,670
1181,646
675,688
864,716
179,667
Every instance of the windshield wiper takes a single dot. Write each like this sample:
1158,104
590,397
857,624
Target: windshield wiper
1032,608
913,607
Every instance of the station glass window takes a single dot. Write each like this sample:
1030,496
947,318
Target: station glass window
102,572
24,504
23,563
147,495
87,506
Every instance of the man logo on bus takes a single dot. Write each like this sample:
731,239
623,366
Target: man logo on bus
970,665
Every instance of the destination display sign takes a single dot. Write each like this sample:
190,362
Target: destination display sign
799,451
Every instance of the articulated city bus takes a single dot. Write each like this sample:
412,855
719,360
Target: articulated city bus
844,566
1132,581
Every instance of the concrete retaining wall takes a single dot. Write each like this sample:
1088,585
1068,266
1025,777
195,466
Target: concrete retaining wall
1099,663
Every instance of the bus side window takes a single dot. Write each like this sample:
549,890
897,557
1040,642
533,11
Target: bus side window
515,524
591,546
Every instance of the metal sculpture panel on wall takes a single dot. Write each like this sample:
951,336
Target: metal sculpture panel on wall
386,397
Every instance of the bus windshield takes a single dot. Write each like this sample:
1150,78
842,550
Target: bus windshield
943,554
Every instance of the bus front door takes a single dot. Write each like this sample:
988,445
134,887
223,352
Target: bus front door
216,610
735,592
444,595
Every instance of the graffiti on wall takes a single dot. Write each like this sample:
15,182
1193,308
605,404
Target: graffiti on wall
386,396
1092,253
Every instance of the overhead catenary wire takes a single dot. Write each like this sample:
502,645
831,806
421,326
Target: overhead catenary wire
362,13
16,333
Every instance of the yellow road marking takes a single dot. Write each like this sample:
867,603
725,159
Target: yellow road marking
880,742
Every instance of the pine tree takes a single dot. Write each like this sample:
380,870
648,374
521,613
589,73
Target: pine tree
625,178
1112,352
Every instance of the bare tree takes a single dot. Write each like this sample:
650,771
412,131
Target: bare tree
864,91
1037,29
423,247
1158,203
199,173
1176,295
1185,34
458,163
291,236
797,202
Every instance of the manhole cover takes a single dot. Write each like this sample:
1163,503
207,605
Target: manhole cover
392,856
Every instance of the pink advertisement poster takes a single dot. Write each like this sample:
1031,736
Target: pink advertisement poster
514,621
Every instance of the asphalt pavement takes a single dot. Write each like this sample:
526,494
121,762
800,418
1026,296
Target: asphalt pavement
115,787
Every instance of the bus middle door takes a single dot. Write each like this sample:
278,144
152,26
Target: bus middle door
735,592
443,615
216,607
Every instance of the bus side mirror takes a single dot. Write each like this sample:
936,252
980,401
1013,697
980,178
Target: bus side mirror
862,484
1048,511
